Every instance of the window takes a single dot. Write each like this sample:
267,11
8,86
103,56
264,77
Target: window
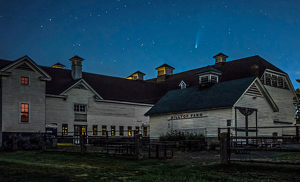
80,108
103,130
95,130
229,122
162,72
24,112
203,79
145,131
64,129
83,130
112,129
80,112
137,129
274,80
121,128
214,79
24,80
129,131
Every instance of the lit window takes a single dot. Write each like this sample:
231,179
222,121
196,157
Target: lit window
95,129
137,129
24,80
103,130
64,129
24,112
121,128
112,128
145,131
83,130
129,131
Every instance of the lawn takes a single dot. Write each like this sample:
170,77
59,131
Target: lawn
59,166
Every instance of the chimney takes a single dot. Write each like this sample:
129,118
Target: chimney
163,72
220,58
76,67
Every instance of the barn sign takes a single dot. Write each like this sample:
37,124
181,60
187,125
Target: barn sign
186,116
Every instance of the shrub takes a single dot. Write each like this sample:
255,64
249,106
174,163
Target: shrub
176,136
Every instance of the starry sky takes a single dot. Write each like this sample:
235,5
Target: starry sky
119,37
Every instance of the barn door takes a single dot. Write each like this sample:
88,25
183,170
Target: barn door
78,130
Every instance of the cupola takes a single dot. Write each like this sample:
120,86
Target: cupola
58,65
163,72
220,58
208,75
76,67
136,76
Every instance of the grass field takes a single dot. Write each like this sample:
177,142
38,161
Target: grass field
54,166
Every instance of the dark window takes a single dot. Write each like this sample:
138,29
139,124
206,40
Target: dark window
145,131
214,79
80,112
24,112
229,122
103,130
204,79
24,80
112,128
64,129
121,128
95,129
80,108
268,79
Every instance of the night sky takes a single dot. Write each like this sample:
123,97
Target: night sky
119,37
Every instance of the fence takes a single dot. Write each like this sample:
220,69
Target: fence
265,145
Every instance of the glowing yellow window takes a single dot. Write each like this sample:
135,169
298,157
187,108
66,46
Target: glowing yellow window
112,130
129,131
65,129
103,130
83,130
95,130
24,112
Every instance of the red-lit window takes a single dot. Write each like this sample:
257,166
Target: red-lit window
24,112
24,80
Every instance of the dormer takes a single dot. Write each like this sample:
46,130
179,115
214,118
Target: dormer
136,76
182,85
208,75
163,72
58,65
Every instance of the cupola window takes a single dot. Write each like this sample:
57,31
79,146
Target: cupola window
208,75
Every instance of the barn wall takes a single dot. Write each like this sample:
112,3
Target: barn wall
14,93
61,111
209,122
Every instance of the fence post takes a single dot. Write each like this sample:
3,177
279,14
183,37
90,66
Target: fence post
82,146
43,142
224,148
297,133
138,146
14,141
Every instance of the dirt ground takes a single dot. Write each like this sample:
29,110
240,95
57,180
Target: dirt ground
195,156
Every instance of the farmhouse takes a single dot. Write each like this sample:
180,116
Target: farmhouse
248,91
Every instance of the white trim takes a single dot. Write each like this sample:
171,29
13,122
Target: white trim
57,96
85,84
264,92
182,83
120,102
24,59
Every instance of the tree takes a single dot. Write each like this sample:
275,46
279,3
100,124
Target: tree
298,106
